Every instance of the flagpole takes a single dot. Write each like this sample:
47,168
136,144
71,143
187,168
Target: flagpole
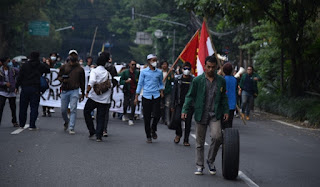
214,48
176,61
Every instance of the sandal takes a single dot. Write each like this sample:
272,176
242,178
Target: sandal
177,139
186,144
15,125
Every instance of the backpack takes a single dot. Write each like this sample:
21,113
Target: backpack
43,84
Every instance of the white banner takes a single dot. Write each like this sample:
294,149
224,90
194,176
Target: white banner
52,96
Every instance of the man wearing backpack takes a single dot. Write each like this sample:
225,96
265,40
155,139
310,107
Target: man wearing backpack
29,80
72,77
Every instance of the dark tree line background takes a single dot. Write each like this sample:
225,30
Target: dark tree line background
279,37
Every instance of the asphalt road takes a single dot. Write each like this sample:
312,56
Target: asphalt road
271,154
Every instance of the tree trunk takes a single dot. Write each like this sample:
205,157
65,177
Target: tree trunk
282,66
240,57
3,42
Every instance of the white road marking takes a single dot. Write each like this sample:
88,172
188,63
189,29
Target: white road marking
20,129
294,126
194,136
246,179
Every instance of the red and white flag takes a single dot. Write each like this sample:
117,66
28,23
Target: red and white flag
189,53
205,48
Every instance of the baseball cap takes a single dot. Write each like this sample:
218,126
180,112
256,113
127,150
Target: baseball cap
150,56
73,51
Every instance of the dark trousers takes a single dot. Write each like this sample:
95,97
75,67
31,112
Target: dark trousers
106,121
12,103
177,122
129,101
29,95
229,122
101,116
151,106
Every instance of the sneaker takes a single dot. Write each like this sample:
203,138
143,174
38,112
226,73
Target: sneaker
212,170
72,132
33,129
105,134
123,118
199,171
247,118
66,125
52,110
149,140
130,122
92,117
99,140
154,135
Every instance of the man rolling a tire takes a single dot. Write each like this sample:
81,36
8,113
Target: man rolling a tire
208,93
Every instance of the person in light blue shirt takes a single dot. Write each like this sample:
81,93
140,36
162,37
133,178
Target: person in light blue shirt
150,80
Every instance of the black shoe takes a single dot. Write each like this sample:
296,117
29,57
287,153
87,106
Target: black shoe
149,140
99,140
154,135
49,114
65,125
91,135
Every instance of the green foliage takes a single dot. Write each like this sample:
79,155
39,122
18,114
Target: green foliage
299,108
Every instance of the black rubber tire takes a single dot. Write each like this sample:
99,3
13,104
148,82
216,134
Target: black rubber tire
230,153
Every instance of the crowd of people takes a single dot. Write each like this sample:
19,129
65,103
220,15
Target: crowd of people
168,97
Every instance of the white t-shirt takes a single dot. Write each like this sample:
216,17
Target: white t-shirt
99,75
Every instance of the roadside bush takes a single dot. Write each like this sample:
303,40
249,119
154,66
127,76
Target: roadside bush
298,108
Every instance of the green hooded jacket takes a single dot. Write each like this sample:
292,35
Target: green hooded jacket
197,94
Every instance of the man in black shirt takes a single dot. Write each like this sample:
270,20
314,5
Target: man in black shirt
29,80
179,92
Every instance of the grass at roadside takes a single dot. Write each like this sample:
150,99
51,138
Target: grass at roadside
299,108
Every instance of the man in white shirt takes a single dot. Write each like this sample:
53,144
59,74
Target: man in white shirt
101,102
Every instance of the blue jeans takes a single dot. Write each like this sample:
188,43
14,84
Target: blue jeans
247,100
69,97
29,95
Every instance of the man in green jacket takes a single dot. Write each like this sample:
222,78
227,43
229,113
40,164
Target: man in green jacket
129,78
208,93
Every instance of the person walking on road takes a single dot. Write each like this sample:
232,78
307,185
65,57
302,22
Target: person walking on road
8,77
113,71
208,93
72,77
29,80
248,90
179,92
165,101
232,85
100,102
129,78
150,80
